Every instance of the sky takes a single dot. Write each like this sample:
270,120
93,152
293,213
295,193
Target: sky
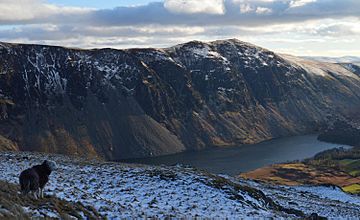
298,27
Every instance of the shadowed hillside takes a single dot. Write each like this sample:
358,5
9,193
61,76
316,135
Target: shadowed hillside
119,104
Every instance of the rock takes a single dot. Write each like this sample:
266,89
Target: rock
315,216
342,132
118,104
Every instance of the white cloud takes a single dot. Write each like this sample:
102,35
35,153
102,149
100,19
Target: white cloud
271,23
299,3
245,8
195,6
34,10
263,10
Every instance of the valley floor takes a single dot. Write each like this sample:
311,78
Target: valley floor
117,190
339,167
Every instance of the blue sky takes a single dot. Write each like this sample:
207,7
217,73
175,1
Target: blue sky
299,27
99,3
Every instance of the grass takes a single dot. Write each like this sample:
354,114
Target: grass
347,161
353,189
7,145
352,167
355,173
340,167
12,203
297,166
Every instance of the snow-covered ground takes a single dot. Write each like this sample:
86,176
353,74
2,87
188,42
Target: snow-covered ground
328,201
122,190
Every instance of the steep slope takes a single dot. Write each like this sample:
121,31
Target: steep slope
116,190
76,102
145,102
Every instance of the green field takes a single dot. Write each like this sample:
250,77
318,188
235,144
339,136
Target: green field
353,189
346,160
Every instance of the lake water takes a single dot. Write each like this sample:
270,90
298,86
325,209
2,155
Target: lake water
234,160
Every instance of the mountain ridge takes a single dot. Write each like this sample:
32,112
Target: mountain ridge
343,59
119,104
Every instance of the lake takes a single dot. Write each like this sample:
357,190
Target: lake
234,160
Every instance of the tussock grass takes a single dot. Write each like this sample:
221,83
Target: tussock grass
12,205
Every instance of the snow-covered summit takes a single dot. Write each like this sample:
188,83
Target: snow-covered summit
104,102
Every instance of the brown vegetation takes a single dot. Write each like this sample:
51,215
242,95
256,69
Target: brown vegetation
12,206
338,167
300,173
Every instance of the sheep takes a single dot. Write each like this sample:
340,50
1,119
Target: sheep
35,178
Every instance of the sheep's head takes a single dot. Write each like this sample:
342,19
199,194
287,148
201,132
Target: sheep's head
51,164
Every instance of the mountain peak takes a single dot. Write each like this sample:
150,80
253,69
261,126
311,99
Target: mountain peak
108,97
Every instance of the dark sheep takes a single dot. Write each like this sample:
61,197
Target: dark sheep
35,178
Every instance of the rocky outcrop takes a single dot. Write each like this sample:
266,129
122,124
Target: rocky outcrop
342,132
120,104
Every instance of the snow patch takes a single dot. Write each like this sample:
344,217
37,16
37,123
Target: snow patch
128,191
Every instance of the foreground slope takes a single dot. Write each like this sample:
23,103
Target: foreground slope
120,104
15,206
124,190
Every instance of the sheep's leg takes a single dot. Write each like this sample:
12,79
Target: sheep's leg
35,193
42,193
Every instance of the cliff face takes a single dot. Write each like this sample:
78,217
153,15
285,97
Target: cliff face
120,104
342,132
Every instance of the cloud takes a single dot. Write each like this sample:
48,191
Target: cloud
35,11
59,32
174,21
230,12
346,29
191,7
180,12
262,10
299,3
245,8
